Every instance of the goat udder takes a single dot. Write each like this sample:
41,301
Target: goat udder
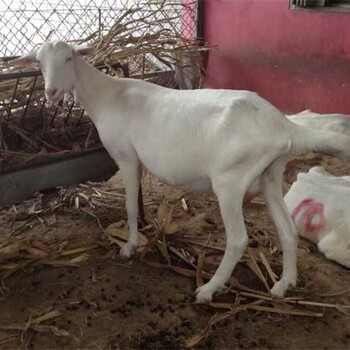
248,196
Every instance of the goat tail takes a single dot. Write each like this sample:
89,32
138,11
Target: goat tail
326,142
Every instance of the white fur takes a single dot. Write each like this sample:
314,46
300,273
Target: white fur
210,140
333,122
333,240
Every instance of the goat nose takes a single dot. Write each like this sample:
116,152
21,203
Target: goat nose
50,93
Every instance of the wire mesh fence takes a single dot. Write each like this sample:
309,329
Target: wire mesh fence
141,31
26,24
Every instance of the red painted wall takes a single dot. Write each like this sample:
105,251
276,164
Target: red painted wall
294,59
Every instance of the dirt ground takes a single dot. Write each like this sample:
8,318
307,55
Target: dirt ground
88,298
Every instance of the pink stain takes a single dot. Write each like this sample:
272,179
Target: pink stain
309,210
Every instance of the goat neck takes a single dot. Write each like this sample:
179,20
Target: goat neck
92,88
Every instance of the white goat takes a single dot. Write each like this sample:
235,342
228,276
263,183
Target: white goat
332,121
319,204
212,140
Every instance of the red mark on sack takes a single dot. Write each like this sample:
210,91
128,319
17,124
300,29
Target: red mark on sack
310,210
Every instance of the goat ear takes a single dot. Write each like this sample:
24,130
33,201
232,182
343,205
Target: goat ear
24,60
83,50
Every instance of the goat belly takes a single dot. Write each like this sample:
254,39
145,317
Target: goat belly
202,184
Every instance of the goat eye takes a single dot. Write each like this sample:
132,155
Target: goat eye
68,59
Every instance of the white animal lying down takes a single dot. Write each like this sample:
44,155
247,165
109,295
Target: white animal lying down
212,140
320,207
332,122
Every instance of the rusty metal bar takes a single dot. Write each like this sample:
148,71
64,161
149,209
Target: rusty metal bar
69,113
81,117
20,182
42,107
12,100
29,99
200,20
54,116
20,74
124,67
34,73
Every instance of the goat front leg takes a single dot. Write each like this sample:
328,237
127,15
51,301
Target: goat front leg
131,178
140,204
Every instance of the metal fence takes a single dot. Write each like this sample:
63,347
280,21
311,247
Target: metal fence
25,24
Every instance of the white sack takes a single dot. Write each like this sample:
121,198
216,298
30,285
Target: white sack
320,207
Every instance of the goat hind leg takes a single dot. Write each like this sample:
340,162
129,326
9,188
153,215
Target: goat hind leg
272,193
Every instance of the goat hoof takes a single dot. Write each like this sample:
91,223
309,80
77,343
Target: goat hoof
127,251
204,294
280,288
